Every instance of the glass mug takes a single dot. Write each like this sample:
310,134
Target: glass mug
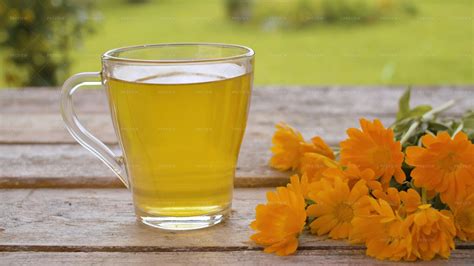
179,112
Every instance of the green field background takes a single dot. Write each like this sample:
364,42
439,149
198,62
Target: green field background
435,47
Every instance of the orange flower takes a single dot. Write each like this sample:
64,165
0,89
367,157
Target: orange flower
410,201
299,186
335,206
403,202
289,146
384,233
320,147
432,233
391,196
279,222
445,165
313,165
374,148
463,215
352,174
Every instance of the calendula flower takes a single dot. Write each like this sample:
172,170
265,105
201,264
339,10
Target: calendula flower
313,166
299,186
289,146
320,147
432,233
374,147
463,215
352,174
384,233
410,201
335,206
403,202
390,195
279,222
444,165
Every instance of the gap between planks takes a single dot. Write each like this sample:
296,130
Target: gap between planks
42,248
304,257
144,249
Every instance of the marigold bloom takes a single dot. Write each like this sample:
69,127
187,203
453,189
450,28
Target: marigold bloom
279,222
432,233
384,233
391,196
313,166
289,146
445,165
374,148
299,186
352,174
410,200
320,147
403,202
335,206
463,215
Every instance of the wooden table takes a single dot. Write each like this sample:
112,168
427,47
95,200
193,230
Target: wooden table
61,205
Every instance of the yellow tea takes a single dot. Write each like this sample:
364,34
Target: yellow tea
181,135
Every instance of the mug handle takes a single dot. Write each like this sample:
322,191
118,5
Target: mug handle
79,132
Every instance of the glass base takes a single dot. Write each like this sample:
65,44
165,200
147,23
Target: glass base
184,223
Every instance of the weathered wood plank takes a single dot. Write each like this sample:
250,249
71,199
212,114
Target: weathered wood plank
32,116
304,257
327,99
69,165
73,166
103,218
49,128
61,220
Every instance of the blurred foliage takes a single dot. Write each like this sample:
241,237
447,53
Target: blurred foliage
299,13
239,10
39,35
414,123
136,1
426,120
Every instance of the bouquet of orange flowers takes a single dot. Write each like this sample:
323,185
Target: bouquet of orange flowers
405,192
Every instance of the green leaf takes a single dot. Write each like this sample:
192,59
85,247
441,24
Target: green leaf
404,111
404,104
437,126
418,111
468,123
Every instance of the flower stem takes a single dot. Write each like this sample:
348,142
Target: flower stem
423,196
458,129
409,132
426,117
430,115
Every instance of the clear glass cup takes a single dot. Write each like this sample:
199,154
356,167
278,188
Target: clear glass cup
179,112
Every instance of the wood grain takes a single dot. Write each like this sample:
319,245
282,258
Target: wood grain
327,99
30,118
103,219
69,165
50,129
97,226
84,221
32,115
304,257
95,220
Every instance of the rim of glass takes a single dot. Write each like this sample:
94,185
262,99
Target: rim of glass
110,54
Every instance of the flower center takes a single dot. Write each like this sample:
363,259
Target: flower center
381,157
344,212
449,163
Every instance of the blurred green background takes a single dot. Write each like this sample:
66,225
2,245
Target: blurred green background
427,42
